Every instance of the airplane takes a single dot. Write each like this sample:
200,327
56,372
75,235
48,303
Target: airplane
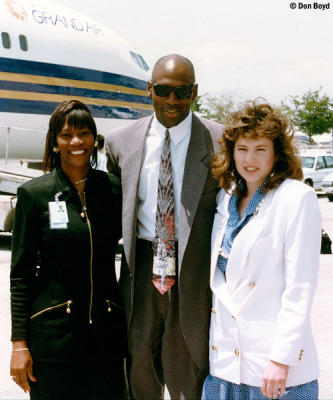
50,53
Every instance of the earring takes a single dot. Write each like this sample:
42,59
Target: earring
55,149
96,143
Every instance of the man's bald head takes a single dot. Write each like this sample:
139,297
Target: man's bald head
172,71
172,61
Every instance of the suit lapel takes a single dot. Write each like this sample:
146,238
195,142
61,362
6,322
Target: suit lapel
243,243
222,287
220,223
130,175
217,279
195,175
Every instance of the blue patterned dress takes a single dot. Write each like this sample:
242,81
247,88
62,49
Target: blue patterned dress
219,389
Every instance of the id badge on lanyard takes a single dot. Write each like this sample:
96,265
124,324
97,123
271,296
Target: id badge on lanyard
58,213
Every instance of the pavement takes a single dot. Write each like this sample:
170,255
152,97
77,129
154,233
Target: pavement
322,316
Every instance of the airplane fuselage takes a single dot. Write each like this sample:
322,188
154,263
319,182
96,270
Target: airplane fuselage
50,53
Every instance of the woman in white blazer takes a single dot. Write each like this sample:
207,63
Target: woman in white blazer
264,265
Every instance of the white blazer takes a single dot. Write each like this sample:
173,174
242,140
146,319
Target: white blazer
261,309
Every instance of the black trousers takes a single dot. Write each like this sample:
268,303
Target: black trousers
91,379
157,348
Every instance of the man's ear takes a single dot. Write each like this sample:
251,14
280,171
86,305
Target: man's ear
195,92
150,89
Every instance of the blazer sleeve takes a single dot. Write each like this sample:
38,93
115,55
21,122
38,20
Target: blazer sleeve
117,194
111,157
302,238
23,263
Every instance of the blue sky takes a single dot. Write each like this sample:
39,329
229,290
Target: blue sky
248,48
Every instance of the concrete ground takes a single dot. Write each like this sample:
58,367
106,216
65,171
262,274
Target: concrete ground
322,316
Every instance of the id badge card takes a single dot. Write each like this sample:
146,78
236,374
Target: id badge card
58,215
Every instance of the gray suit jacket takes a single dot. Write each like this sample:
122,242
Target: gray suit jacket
124,149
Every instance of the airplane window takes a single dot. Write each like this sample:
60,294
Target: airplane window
139,61
23,43
5,40
135,59
143,62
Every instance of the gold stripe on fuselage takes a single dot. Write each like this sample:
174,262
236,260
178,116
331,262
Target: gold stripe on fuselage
57,98
49,80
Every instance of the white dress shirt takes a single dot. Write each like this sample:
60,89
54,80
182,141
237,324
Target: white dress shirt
101,161
148,184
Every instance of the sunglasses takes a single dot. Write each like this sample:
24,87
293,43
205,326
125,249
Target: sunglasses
182,92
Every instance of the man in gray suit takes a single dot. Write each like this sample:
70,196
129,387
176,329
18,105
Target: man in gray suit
167,333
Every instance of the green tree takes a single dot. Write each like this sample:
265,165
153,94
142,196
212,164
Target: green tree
312,113
196,104
217,107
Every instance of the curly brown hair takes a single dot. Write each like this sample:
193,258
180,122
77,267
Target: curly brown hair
256,119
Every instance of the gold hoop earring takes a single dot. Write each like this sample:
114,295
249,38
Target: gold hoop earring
55,149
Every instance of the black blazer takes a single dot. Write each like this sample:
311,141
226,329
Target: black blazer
64,294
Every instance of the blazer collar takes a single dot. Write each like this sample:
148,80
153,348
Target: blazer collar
242,243
66,189
140,129
130,174
223,205
225,289
196,169
133,159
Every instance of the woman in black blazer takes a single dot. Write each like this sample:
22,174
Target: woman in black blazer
68,326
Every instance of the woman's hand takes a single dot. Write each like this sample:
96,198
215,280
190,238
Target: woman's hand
21,365
274,378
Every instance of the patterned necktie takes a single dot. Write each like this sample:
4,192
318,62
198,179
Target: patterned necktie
164,264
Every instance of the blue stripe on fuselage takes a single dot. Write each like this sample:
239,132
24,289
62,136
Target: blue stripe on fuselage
71,91
47,108
67,72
